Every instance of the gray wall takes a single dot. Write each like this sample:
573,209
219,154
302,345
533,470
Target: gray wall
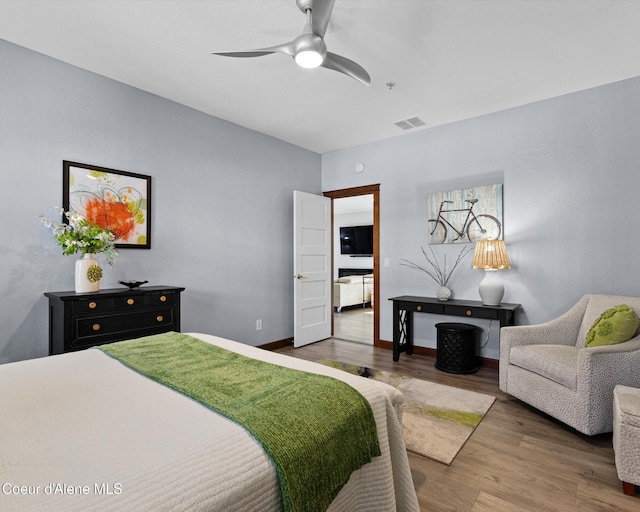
222,201
571,173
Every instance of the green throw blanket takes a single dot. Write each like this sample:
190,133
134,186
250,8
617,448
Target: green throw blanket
316,429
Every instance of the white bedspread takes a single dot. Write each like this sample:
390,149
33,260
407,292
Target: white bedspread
81,431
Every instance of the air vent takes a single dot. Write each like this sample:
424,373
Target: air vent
416,121
408,124
404,125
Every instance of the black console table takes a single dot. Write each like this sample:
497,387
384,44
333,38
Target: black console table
82,320
405,305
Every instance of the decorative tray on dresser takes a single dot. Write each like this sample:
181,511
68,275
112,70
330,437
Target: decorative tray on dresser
81,320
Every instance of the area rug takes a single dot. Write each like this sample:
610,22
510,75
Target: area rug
437,420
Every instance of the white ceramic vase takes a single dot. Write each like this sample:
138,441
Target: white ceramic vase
443,293
83,283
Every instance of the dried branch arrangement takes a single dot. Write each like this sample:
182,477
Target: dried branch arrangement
435,271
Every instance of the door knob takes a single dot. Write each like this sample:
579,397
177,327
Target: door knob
300,276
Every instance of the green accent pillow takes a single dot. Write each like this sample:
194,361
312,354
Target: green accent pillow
615,325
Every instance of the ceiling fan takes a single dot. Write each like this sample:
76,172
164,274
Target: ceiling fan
309,49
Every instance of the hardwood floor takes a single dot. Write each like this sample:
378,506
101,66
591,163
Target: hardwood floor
354,324
518,459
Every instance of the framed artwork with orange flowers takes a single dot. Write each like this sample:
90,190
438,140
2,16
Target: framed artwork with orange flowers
119,201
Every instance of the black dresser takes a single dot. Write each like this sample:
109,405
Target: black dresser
81,320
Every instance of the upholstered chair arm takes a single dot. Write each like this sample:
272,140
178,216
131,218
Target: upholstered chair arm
559,331
600,369
628,347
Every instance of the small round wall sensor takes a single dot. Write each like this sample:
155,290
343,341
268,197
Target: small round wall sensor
359,167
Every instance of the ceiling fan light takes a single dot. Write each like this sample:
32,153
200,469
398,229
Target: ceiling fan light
308,59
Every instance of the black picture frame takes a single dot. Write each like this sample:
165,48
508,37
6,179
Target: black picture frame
117,200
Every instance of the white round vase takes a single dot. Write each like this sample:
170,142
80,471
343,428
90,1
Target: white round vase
443,293
83,283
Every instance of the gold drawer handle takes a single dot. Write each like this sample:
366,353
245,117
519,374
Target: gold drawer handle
96,327
92,305
159,318
163,298
469,312
130,302
419,308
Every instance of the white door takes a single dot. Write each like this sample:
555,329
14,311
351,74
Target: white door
311,268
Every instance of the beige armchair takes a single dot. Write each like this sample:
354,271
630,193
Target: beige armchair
548,366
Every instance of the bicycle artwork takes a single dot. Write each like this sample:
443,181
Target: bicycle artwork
456,221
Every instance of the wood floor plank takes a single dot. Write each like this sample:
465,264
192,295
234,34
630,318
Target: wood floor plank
488,503
354,324
517,459
438,494
593,497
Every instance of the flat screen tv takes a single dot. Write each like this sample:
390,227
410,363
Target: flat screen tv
356,240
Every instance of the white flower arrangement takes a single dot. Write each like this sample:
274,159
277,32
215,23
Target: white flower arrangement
82,236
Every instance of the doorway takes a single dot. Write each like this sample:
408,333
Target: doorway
359,322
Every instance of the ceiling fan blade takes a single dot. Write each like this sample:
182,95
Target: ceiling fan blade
346,66
281,48
320,14
249,53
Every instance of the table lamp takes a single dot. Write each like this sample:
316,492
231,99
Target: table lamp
491,256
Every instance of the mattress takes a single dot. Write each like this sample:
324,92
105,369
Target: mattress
80,431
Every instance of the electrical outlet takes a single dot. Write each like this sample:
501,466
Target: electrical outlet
259,324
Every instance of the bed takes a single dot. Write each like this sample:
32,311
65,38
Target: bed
82,431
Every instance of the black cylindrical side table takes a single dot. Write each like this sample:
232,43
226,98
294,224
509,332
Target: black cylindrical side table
456,348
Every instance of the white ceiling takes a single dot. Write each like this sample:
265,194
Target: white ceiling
450,59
